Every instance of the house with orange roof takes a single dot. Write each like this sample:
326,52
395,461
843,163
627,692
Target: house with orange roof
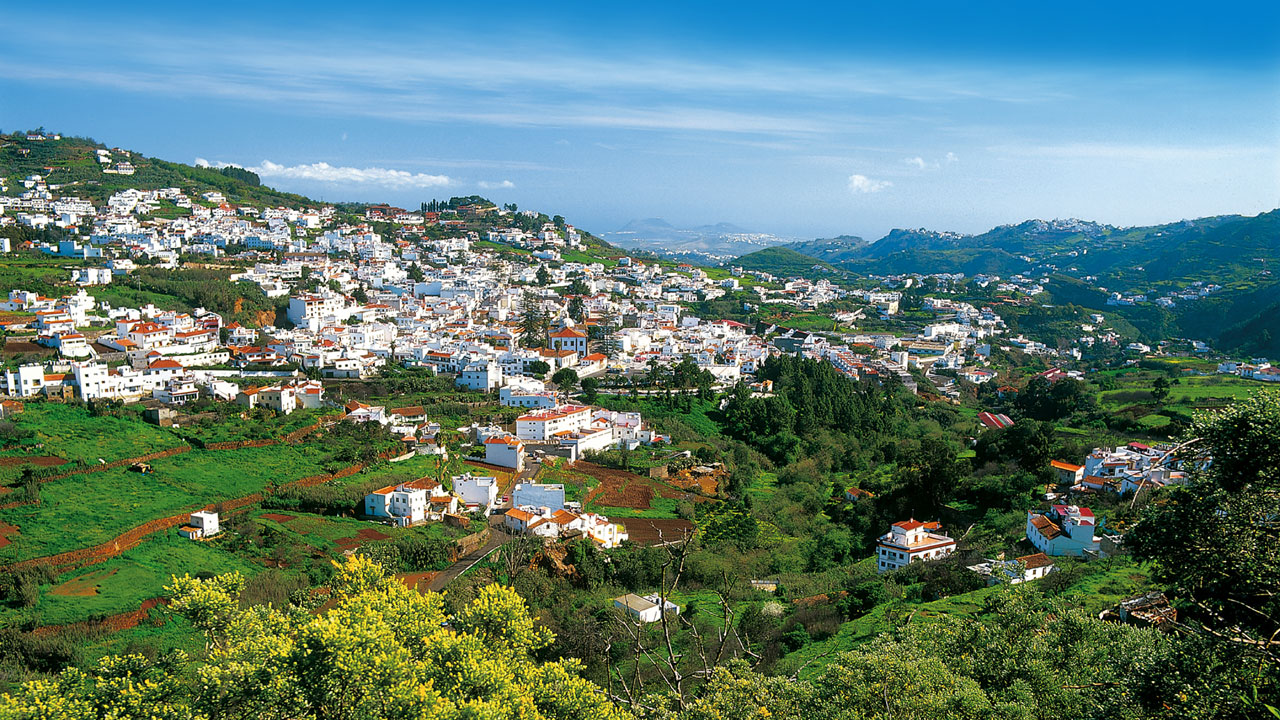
504,451
909,541
405,503
1068,474
569,338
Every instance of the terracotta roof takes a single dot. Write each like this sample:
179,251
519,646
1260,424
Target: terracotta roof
1039,560
1045,527
520,515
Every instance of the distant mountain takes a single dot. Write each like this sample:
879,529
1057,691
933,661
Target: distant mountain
709,244
1224,249
833,250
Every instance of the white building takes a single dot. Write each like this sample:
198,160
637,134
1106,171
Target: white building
647,608
405,503
26,381
548,495
543,425
912,540
478,491
504,451
1016,571
202,524
1064,530
570,339
482,375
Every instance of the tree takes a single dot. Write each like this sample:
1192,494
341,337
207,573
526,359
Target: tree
538,369
565,379
1160,389
577,309
384,651
1045,400
590,389
543,276
533,321
1215,541
929,477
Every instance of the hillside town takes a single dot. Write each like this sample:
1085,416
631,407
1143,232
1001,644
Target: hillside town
469,393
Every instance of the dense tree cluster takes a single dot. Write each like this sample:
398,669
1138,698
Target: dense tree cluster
384,651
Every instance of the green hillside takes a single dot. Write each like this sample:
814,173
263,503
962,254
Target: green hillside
72,162
785,262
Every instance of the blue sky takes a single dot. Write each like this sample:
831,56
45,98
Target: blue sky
799,120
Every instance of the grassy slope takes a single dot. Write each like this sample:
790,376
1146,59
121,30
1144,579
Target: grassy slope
1112,581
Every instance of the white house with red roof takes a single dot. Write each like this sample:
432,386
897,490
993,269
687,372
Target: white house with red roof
569,338
543,425
1063,530
504,451
1068,473
911,540
405,503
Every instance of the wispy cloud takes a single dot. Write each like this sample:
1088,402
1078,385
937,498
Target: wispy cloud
503,185
920,163
1144,153
861,184
325,173
510,86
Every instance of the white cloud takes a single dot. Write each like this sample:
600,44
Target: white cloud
486,185
920,163
864,184
324,172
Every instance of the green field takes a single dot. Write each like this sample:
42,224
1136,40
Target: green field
85,510
70,432
265,424
580,257
1188,392
659,507
37,272
326,532
122,583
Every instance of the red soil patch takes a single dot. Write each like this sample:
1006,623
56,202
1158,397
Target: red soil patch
417,580
651,531
276,517
617,488
5,532
363,536
37,460
703,483
83,586
628,490
113,623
